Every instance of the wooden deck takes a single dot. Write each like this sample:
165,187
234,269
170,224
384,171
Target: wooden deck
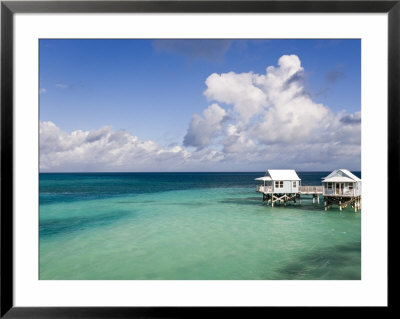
311,190
339,197
303,190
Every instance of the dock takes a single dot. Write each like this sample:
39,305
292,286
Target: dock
270,197
341,188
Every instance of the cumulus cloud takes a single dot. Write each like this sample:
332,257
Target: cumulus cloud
272,113
108,150
102,149
237,141
203,128
277,102
236,89
254,122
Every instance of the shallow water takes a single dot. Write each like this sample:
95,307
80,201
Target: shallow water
189,226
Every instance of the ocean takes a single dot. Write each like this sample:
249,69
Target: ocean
189,226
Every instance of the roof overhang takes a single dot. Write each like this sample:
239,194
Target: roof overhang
264,178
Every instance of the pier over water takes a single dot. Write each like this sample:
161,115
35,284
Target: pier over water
341,188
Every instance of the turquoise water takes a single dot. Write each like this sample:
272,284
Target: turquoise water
189,226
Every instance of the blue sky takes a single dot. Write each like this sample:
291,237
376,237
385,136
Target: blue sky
159,91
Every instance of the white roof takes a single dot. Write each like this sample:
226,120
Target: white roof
264,178
283,175
350,175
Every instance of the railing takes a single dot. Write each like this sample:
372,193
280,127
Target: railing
342,192
264,189
311,189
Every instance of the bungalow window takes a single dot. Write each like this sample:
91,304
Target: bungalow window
278,184
351,186
294,184
329,185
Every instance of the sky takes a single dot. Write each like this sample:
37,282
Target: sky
199,105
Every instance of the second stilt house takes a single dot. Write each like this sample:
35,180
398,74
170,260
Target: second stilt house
342,188
342,182
279,185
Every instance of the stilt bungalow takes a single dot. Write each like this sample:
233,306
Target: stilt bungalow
279,185
342,188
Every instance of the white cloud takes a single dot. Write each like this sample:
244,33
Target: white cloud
237,89
203,128
42,90
268,121
272,114
273,107
61,85
237,141
109,150
292,120
102,149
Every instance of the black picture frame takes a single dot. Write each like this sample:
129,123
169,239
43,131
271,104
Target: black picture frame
9,8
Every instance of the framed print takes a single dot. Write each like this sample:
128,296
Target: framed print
161,158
